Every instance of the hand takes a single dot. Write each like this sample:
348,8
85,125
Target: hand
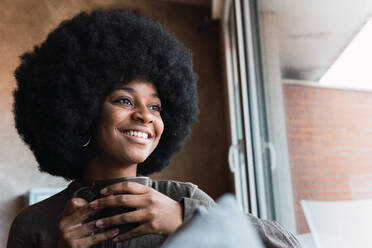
156,212
73,232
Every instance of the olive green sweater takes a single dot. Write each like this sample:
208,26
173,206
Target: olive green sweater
37,225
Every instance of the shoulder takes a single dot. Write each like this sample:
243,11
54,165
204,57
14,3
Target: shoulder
45,210
35,221
273,234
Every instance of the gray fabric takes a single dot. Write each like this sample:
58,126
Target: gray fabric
272,234
37,225
223,226
226,226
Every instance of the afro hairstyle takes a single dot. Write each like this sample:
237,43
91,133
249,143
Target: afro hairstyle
62,83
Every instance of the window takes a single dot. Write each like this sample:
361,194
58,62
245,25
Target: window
325,131
252,155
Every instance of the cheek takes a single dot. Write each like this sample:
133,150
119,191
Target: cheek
160,127
111,116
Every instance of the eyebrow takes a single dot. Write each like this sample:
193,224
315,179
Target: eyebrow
131,90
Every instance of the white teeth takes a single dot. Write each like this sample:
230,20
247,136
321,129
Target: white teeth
137,134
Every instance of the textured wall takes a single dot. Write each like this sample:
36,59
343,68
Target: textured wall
24,23
330,143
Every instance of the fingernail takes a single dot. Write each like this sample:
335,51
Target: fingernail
100,223
114,232
103,191
94,204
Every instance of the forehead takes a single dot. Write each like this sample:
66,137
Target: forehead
139,86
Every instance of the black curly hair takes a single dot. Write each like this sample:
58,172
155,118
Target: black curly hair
61,85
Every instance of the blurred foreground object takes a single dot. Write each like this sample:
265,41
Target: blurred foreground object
226,226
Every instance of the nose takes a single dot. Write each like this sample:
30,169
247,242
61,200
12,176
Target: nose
142,114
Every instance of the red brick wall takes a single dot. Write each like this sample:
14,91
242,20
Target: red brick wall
330,144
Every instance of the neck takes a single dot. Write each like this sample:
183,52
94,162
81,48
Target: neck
99,169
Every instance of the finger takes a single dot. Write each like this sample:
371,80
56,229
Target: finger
125,187
95,238
136,232
76,217
82,230
72,205
127,200
130,217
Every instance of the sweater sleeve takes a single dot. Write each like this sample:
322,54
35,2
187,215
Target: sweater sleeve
272,234
186,193
196,198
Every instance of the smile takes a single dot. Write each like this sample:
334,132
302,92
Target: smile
136,134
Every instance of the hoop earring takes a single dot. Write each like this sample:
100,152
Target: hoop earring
88,142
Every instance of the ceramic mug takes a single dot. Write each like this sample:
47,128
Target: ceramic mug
107,212
91,193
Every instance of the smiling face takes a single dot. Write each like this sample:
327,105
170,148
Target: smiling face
130,124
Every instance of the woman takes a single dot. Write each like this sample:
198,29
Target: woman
109,94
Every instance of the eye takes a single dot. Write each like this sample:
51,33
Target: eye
155,107
126,101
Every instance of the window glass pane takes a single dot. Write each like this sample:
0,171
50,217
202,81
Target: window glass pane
328,128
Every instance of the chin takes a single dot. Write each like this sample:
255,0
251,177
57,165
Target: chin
132,154
136,158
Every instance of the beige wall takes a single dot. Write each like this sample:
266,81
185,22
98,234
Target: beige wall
24,23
